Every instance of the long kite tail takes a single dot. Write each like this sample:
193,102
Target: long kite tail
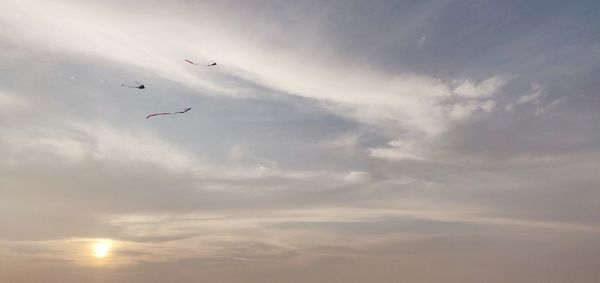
190,62
157,114
185,110
207,65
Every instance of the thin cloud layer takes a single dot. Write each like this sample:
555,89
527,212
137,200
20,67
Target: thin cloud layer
334,141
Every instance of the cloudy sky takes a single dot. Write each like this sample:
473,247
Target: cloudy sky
336,141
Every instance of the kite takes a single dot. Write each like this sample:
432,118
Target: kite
209,65
169,113
140,85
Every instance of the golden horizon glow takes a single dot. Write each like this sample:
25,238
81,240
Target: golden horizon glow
101,249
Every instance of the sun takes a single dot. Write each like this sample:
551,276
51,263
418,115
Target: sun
101,249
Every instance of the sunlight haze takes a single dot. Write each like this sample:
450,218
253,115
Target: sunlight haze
308,141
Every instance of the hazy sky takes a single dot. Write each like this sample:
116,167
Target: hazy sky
336,141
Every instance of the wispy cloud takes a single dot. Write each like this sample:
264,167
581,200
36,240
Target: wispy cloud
331,136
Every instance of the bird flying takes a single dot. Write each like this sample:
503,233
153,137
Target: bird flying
209,65
139,86
169,113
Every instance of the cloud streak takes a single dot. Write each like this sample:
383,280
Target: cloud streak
334,141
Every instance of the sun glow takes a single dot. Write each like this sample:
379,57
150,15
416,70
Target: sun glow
101,249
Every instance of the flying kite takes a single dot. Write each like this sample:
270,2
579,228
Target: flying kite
169,113
140,85
209,65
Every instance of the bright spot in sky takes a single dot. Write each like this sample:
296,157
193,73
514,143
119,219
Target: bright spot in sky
101,249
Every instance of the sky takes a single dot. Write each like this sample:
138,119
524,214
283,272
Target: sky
335,141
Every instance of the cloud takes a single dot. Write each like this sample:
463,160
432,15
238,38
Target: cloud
550,106
487,105
422,40
81,141
401,100
400,149
464,110
11,103
308,152
535,93
481,90
357,177
535,96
